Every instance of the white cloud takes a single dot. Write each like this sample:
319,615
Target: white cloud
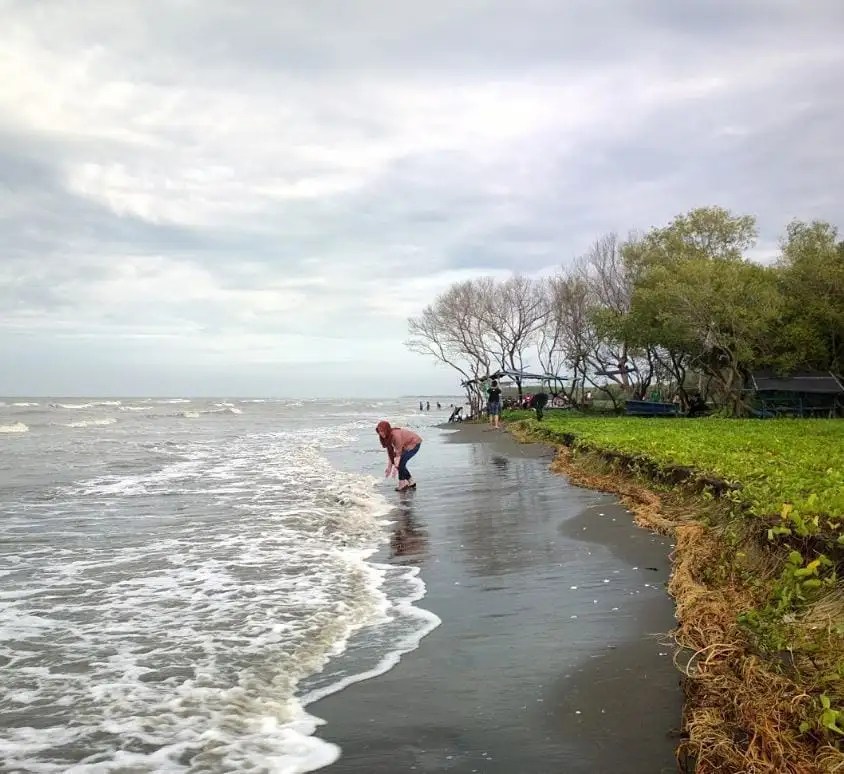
267,183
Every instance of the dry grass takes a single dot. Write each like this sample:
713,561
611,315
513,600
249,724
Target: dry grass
742,710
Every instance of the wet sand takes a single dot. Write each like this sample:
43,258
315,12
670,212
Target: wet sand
548,658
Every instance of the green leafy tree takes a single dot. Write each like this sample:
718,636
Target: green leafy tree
812,279
706,233
700,303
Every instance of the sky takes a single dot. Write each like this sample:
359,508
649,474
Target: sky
206,197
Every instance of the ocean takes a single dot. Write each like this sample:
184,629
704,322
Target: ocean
182,577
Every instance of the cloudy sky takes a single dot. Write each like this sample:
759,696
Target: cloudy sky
232,197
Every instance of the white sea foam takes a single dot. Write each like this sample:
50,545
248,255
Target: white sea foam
22,404
173,400
401,607
135,408
190,640
17,427
72,405
189,414
92,422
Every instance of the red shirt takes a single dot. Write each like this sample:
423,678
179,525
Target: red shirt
403,439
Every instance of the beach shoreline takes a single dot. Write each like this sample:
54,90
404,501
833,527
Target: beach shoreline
551,653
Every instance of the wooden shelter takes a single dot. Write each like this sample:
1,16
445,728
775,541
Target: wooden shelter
809,394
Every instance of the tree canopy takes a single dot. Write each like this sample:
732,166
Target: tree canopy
680,305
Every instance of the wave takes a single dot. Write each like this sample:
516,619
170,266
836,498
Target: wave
400,607
92,422
241,633
23,404
71,405
173,400
196,413
135,408
17,427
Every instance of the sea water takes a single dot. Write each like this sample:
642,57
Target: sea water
181,577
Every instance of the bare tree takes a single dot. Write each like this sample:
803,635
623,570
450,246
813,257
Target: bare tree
614,357
452,330
551,341
514,311
578,329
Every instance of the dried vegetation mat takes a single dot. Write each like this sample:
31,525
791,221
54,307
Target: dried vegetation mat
749,706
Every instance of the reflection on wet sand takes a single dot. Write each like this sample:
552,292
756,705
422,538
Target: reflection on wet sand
500,514
545,661
409,539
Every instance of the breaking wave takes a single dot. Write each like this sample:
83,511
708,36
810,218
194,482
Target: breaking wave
17,427
208,591
92,422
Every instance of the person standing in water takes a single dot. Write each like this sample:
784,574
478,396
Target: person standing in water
493,405
401,444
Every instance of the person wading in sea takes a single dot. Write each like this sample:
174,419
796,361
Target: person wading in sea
401,444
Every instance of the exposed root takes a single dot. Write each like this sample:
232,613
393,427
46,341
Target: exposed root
645,504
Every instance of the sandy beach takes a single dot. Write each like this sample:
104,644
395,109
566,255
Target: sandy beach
549,656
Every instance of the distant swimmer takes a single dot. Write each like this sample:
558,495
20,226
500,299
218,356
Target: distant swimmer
421,408
428,406
401,444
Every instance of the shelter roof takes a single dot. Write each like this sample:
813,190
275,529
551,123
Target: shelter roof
514,374
809,382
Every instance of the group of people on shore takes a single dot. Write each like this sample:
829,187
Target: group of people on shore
494,404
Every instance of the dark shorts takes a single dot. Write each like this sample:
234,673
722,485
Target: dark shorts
494,409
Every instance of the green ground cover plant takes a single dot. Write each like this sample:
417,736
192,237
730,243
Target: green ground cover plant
790,472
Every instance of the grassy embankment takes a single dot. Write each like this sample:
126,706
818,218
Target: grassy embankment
757,511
